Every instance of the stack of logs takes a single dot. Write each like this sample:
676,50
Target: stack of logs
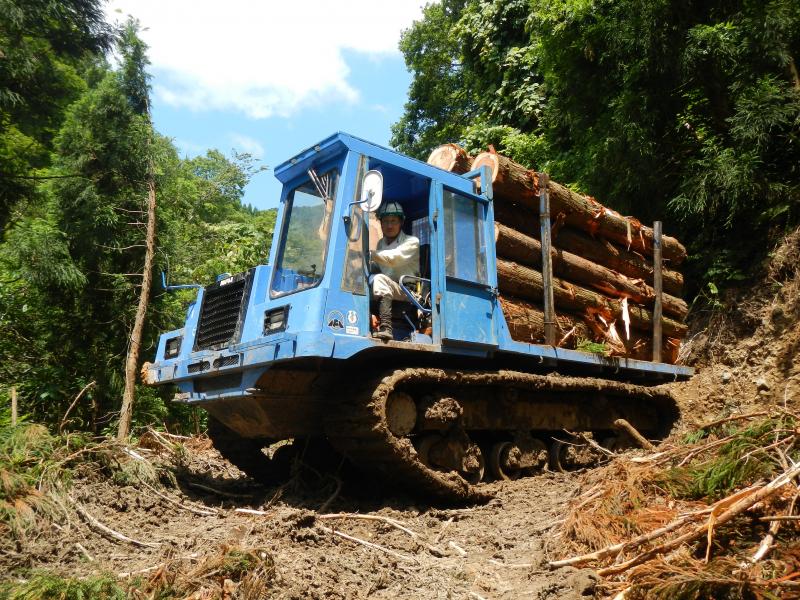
602,264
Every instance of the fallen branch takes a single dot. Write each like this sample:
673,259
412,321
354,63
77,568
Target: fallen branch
457,548
206,488
623,425
389,521
374,546
107,531
333,496
718,422
766,544
736,509
72,405
198,511
84,551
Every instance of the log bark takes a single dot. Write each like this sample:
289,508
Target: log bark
450,157
512,182
132,360
524,282
524,250
596,250
526,323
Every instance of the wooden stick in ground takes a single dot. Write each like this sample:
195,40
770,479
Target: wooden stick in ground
522,249
514,182
623,425
107,531
450,157
13,406
736,509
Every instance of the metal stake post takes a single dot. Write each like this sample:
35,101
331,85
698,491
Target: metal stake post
657,286
547,261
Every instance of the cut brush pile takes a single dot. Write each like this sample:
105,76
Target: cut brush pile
713,516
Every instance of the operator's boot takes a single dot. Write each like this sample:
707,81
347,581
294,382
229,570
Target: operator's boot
384,331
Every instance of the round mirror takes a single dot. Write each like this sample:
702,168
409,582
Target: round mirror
371,191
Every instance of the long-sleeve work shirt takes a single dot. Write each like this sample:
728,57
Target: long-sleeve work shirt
398,257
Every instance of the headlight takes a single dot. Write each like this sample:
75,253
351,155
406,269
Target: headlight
173,347
275,320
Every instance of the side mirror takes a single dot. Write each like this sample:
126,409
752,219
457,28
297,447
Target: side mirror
371,191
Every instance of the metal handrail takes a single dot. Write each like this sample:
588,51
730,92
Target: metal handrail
411,296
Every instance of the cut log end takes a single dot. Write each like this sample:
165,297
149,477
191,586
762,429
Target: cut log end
450,157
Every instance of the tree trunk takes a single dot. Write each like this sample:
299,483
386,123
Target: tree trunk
132,360
512,182
524,282
596,250
450,157
525,250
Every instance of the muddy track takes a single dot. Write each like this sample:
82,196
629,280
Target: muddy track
360,431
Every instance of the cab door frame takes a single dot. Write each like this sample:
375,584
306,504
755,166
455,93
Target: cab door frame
465,304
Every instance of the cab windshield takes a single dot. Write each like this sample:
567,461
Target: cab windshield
304,241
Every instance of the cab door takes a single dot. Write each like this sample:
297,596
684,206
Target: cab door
466,305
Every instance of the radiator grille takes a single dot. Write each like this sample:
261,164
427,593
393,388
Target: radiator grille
222,312
226,361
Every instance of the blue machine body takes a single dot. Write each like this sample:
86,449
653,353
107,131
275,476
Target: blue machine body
277,313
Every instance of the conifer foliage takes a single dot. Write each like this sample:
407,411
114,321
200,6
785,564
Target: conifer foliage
77,156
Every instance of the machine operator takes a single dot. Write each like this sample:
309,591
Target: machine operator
397,254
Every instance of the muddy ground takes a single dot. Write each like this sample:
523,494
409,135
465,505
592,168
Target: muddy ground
745,348
498,550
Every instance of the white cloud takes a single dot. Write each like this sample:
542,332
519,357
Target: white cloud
262,58
243,143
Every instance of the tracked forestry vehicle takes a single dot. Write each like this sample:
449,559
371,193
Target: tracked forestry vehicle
284,351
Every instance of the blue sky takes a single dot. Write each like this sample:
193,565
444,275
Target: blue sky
272,78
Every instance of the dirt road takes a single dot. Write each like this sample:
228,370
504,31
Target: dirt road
405,549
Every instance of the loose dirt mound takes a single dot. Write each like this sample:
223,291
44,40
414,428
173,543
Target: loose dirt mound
746,346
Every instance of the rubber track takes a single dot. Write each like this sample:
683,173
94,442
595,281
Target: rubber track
358,428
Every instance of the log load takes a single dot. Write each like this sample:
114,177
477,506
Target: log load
596,250
513,245
450,157
513,182
603,263
524,282
525,322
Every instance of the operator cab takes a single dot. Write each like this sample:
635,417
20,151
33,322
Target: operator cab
328,228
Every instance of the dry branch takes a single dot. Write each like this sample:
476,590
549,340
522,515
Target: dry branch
374,546
623,425
736,509
107,531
